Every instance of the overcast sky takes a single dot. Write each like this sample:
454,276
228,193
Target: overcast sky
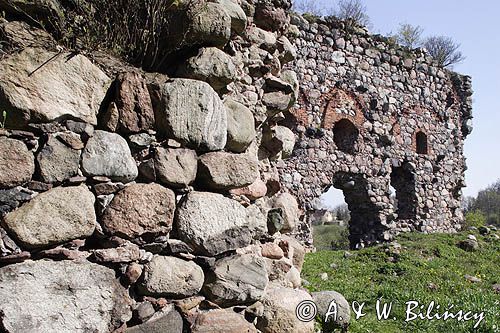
474,24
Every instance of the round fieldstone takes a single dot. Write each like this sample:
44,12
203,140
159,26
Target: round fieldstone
171,277
140,209
53,217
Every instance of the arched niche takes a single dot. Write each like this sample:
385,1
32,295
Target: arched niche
421,143
345,136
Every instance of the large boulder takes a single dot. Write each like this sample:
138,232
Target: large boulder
171,277
279,314
167,320
323,300
19,34
191,112
269,17
225,171
67,86
238,16
240,126
17,163
56,216
175,167
213,224
210,65
108,154
140,209
133,105
221,321
236,280
57,161
61,296
209,24
277,101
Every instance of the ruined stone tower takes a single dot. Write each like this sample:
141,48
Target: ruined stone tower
373,115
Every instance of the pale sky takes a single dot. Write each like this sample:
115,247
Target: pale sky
473,24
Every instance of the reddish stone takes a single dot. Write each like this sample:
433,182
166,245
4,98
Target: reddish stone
254,191
134,103
140,209
133,273
272,251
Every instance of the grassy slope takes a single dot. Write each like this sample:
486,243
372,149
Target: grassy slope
325,235
424,260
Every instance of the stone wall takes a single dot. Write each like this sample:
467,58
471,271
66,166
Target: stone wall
371,115
134,201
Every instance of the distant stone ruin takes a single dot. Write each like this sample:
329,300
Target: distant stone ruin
373,115
173,201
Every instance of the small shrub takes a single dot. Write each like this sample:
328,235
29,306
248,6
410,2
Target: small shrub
475,218
409,35
309,7
311,18
138,31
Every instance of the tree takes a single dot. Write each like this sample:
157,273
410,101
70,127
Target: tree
353,12
487,203
307,6
444,50
342,212
475,218
409,35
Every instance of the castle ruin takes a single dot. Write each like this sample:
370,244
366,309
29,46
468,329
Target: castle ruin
373,115
169,194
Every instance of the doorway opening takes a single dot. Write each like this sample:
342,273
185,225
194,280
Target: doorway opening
405,198
330,223
365,220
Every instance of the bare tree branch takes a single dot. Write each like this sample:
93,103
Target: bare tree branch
444,50
307,6
353,11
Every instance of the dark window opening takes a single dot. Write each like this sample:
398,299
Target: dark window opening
345,136
405,200
422,146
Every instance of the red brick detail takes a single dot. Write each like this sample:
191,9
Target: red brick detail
300,116
340,99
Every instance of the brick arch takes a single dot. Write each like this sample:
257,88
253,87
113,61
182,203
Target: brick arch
341,104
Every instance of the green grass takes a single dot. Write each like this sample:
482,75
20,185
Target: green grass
368,275
326,236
